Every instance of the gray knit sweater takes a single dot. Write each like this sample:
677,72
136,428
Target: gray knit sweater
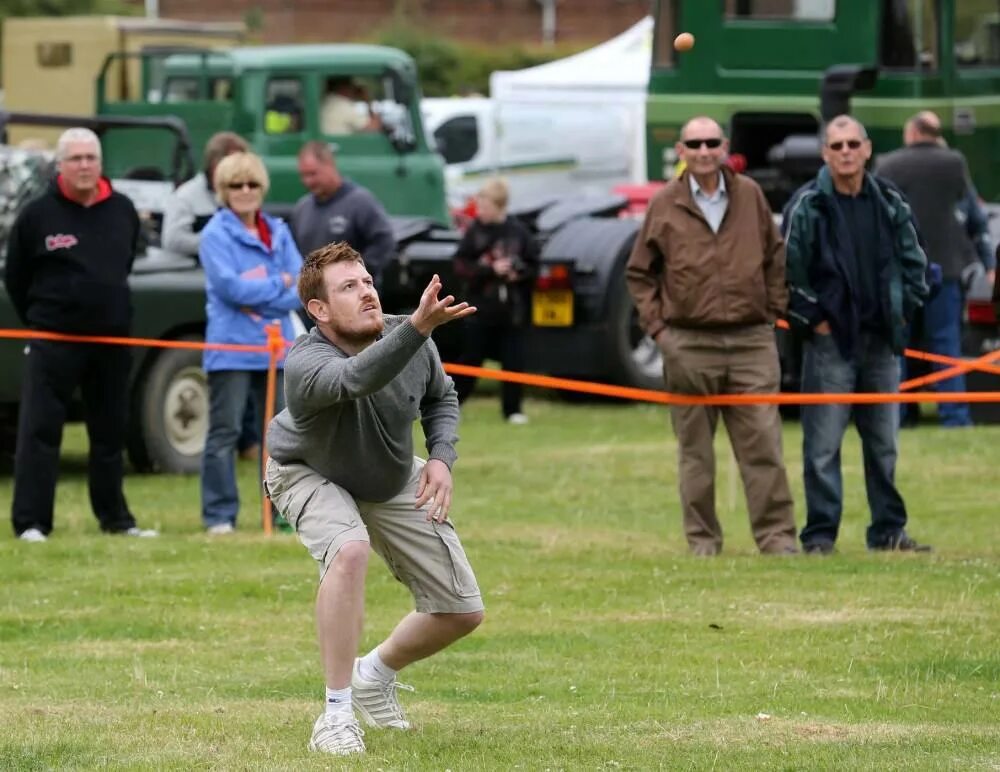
350,418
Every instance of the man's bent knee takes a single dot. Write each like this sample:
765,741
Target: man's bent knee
351,559
464,624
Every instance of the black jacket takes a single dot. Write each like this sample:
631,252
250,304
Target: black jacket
935,181
499,300
68,265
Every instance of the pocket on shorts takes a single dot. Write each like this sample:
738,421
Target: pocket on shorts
463,580
289,496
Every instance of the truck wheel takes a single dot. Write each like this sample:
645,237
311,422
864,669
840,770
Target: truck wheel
635,358
170,415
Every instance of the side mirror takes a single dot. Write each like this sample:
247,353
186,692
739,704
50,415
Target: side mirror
839,84
402,87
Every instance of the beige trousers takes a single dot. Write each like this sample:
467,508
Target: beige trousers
741,360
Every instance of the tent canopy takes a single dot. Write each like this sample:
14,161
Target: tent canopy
618,69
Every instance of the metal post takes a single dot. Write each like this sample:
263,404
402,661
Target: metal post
548,21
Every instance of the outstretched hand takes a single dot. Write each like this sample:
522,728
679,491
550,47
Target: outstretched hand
433,312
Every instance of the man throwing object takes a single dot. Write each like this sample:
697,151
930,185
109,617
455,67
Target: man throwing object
342,471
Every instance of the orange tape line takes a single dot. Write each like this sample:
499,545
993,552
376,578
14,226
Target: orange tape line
667,398
959,365
139,342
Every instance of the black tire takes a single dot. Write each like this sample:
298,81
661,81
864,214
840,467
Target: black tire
169,419
635,358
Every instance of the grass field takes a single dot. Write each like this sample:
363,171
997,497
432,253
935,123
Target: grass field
605,645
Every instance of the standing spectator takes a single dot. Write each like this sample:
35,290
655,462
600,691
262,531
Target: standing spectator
343,472
497,259
69,255
856,275
251,265
192,205
187,211
337,209
707,275
935,181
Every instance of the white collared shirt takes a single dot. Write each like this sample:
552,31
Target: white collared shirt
712,206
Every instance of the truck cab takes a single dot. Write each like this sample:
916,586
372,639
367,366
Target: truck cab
276,98
758,65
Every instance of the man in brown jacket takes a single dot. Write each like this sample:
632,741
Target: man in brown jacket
707,275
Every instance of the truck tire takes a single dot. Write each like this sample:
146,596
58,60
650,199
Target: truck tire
169,419
635,358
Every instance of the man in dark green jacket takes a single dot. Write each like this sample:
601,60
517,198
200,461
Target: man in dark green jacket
855,272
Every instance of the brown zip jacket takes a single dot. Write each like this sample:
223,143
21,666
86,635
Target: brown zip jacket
682,274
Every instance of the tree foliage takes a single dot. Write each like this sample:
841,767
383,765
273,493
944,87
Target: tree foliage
451,68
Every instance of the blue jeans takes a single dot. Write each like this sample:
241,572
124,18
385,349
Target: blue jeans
228,394
943,335
874,370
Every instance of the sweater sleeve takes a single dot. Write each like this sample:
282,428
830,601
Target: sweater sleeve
439,412
380,241
316,378
178,226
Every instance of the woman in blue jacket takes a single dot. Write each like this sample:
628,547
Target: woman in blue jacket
251,267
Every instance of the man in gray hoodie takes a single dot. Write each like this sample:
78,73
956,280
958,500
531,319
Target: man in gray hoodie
343,473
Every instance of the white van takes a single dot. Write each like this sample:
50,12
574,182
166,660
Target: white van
541,149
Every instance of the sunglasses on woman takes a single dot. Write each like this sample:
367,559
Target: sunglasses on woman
240,185
853,144
711,143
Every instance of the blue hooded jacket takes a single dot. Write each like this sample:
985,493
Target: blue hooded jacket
244,288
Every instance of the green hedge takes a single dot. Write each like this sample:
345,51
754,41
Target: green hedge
451,68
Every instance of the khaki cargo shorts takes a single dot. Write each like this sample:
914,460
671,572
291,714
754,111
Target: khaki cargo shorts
425,556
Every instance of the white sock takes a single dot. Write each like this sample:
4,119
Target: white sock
338,701
372,668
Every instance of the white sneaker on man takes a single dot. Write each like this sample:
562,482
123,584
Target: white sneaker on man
337,734
33,535
141,533
220,529
376,701
518,419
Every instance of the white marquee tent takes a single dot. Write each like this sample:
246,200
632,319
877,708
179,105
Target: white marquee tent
611,77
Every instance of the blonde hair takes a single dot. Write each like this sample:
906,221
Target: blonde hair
497,191
239,167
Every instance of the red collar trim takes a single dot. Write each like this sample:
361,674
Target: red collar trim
103,191
263,231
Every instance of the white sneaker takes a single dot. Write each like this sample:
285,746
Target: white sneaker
141,533
339,735
33,534
222,529
518,419
376,702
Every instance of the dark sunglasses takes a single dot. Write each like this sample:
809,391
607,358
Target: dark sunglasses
240,185
711,143
853,144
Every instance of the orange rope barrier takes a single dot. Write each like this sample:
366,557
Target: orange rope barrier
667,398
138,342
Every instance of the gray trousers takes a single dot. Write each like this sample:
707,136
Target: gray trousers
740,360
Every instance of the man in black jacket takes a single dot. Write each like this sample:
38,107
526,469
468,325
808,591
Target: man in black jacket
935,181
68,260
